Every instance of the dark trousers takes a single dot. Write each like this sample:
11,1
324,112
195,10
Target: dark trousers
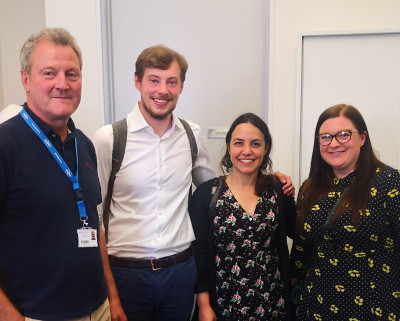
162,295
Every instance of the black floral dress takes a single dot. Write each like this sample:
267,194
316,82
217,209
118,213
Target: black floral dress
248,280
355,275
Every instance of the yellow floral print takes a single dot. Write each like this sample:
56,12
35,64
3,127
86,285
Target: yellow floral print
386,268
348,248
362,250
299,248
393,193
373,237
396,294
349,228
354,273
334,308
366,212
340,288
359,300
315,208
389,241
377,311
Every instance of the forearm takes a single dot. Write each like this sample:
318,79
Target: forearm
7,310
203,299
109,279
206,313
117,312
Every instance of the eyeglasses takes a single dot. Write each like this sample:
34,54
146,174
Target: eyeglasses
342,137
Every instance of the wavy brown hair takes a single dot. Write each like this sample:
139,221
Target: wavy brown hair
320,179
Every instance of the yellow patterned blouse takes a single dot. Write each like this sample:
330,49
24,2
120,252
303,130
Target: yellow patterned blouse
355,274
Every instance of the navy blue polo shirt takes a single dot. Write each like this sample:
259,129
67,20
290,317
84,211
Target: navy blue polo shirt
42,270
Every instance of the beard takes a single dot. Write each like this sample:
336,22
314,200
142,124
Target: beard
157,116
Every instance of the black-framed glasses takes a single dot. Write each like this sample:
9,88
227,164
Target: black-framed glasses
342,137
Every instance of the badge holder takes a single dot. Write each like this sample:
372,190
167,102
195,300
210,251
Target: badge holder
87,236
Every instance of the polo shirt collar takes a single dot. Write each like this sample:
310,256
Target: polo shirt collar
46,129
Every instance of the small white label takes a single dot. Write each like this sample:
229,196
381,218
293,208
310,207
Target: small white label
217,132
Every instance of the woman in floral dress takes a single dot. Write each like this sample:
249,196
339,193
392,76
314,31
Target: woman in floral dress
355,274
241,247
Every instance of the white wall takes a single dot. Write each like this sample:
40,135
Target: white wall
18,20
289,18
82,19
224,42
358,69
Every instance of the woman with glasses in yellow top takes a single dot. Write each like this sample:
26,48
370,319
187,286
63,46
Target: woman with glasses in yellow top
353,272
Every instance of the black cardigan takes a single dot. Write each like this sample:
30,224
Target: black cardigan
199,211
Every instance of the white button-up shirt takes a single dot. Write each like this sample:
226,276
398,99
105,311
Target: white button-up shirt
149,208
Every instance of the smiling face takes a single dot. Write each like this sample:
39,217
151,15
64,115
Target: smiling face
160,90
247,149
342,158
54,84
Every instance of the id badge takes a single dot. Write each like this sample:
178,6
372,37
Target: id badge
87,237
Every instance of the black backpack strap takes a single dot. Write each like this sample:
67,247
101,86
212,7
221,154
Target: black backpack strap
120,130
214,198
192,140
192,144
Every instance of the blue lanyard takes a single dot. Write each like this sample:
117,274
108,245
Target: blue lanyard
60,161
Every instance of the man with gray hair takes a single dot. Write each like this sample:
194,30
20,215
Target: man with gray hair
50,258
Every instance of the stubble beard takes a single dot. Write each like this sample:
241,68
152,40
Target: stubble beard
157,116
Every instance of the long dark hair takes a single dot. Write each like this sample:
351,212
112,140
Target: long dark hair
321,176
265,178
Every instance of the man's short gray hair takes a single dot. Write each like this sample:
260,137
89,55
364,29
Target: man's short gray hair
58,36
